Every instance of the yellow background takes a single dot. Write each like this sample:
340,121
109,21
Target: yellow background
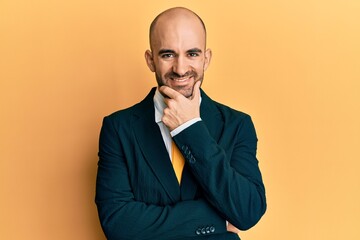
292,65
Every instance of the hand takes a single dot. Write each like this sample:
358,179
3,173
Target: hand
232,228
179,108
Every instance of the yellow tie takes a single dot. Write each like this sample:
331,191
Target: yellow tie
178,161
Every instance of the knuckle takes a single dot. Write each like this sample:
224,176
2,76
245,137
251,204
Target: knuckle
166,111
164,119
170,103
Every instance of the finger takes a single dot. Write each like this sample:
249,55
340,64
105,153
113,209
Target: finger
169,102
196,91
232,228
169,92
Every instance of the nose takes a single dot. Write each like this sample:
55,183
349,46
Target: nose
180,66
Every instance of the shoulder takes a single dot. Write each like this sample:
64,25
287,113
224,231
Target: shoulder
237,122
233,119
123,113
146,106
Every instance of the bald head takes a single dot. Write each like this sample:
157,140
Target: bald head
175,16
178,55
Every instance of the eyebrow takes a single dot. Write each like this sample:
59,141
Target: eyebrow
162,51
192,50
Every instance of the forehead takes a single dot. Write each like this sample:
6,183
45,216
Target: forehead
178,33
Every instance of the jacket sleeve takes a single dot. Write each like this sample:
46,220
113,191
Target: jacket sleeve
124,217
227,171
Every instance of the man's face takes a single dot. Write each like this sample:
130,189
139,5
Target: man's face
178,55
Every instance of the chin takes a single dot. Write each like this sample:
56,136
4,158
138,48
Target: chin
186,93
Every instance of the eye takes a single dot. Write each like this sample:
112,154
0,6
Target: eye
167,55
193,54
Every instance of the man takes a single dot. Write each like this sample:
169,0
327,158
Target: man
178,165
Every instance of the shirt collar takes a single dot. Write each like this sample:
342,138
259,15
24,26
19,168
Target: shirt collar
159,105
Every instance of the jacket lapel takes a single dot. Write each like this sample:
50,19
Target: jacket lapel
211,116
150,140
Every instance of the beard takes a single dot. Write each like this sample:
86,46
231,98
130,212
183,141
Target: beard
186,91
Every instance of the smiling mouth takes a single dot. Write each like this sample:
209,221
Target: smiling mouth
183,79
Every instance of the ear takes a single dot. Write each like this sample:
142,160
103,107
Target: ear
208,54
149,60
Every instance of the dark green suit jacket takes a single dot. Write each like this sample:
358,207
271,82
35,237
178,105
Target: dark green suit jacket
137,193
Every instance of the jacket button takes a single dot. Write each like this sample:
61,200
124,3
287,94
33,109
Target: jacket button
212,229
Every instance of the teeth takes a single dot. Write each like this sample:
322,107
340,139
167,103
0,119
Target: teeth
181,79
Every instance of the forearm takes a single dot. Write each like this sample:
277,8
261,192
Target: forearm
136,220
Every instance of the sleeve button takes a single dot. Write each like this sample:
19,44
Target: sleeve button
203,231
212,229
192,160
198,231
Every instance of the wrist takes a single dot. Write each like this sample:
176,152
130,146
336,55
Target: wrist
183,126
